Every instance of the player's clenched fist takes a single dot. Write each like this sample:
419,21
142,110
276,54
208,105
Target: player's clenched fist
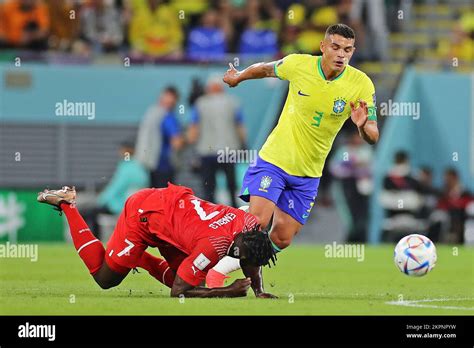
231,76
266,295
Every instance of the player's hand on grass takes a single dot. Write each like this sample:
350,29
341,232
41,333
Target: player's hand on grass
231,77
240,287
265,295
359,115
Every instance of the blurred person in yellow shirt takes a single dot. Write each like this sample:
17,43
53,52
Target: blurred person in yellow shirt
460,45
155,28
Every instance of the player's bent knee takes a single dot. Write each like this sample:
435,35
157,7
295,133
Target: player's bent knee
107,281
281,243
106,284
282,236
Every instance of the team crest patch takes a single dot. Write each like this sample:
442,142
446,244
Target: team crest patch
201,261
339,105
265,183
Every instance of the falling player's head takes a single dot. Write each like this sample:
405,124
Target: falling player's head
338,46
253,246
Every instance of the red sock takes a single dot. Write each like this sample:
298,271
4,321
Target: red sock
158,268
89,248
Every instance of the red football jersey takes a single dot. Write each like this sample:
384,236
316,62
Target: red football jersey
201,229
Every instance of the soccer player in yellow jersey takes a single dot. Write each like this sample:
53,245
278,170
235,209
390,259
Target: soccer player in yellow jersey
324,91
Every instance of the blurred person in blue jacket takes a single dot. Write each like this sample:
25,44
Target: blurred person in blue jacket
160,139
207,41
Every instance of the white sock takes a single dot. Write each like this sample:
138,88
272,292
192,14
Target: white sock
227,264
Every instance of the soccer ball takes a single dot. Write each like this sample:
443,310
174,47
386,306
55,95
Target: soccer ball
415,255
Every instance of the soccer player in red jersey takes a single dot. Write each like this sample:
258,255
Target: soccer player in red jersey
191,234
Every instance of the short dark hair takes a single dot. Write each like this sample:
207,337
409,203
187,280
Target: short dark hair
452,172
401,157
426,169
172,90
258,247
341,29
127,143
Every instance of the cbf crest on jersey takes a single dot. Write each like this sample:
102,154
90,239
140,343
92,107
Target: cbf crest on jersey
265,183
339,105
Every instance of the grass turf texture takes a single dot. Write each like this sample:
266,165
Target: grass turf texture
306,281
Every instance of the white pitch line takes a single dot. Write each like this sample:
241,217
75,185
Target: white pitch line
418,303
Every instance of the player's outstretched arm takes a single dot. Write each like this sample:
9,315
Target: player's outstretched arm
256,71
238,288
255,274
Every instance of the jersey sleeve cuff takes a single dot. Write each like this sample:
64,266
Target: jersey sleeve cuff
275,70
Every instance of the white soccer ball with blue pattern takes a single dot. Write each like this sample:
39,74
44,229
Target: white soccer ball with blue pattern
415,255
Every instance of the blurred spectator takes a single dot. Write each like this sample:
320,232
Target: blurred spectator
263,14
24,24
313,32
233,15
454,202
129,177
460,44
351,166
427,190
306,25
401,201
393,21
429,195
207,42
101,25
197,90
193,10
217,124
159,138
294,19
155,29
65,24
372,30
263,24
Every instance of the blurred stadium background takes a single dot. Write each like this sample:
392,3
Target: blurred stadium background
118,57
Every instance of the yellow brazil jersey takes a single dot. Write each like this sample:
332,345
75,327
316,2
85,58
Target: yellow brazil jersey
314,112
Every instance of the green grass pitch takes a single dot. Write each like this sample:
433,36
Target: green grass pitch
306,282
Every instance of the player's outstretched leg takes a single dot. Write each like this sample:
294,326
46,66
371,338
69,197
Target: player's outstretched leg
89,248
